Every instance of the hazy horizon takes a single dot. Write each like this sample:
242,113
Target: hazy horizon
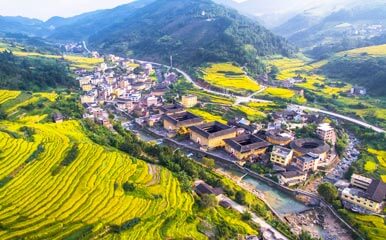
44,9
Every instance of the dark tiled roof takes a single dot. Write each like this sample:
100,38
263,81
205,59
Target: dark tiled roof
310,145
307,158
278,135
246,143
291,174
213,129
376,191
183,118
172,108
204,188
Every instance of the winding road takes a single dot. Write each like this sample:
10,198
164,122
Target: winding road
251,98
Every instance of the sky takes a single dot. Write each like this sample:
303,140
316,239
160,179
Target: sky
44,9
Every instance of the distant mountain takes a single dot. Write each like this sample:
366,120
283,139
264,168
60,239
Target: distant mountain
193,31
82,26
20,25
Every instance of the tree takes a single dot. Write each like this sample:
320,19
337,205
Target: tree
128,187
3,115
246,216
208,201
209,162
306,236
328,191
240,197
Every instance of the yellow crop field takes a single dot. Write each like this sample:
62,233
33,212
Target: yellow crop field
83,62
370,166
250,113
75,61
6,95
291,67
33,99
280,92
207,116
377,50
229,76
380,154
85,197
51,96
374,226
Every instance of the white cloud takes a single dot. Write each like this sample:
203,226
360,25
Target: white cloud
44,9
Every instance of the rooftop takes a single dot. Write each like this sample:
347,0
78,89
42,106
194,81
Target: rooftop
171,108
246,143
292,174
281,151
279,135
308,158
310,145
213,129
204,188
376,191
325,127
183,118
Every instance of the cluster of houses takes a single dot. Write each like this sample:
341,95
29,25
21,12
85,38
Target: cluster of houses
128,86
292,158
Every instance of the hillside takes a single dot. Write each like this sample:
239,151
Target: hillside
70,187
363,66
193,31
33,73
356,25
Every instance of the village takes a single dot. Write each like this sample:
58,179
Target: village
139,91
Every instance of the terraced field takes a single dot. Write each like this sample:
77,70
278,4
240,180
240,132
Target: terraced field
291,67
6,95
377,51
86,197
207,116
229,76
374,226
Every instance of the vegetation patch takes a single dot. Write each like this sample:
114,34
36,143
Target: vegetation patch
229,76
207,116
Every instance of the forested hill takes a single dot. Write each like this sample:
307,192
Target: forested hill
32,74
193,31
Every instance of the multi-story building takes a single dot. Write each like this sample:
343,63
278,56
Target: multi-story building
281,155
308,162
87,99
360,181
361,193
326,133
246,146
291,178
211,135
189,101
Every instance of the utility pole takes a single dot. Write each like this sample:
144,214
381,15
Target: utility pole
171,61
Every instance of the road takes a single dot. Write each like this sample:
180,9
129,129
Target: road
250,98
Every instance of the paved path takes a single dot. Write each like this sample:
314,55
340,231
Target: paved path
250,98
261,222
